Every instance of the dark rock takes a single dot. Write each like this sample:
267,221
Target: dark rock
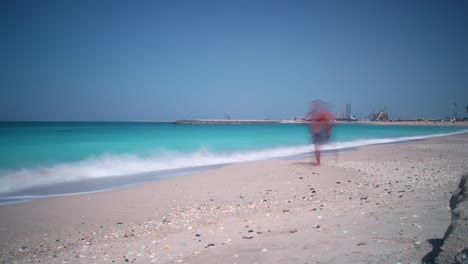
453,248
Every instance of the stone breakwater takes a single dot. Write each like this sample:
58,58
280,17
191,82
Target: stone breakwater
455,243
209,122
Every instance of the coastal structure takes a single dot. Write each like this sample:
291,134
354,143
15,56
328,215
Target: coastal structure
227,121
381,115
348,111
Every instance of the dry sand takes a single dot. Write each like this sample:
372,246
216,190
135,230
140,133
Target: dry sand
377,204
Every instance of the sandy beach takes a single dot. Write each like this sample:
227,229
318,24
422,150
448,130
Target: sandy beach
376,204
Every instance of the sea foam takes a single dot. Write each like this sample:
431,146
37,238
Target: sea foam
111,165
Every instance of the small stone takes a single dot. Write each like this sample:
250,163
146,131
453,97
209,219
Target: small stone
210,245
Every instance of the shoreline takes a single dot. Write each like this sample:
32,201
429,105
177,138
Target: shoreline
280,121
378,203
110,183
265,121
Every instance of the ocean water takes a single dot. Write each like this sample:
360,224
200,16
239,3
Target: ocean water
57,158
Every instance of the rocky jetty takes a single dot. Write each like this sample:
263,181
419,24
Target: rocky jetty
209,122
455,243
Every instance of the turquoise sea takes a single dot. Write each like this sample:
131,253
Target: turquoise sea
56,158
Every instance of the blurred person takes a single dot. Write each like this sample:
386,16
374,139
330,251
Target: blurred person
320,126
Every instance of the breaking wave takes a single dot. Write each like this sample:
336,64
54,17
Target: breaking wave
111,165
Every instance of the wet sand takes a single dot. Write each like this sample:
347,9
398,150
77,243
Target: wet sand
375,204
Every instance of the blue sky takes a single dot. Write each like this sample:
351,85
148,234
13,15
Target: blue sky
165,60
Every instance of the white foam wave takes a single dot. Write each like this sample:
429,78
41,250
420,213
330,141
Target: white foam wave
126,164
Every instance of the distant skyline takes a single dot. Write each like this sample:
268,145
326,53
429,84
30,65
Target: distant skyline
166,60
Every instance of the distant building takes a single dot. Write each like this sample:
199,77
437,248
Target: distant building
348,111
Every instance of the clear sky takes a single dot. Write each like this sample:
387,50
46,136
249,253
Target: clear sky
164,60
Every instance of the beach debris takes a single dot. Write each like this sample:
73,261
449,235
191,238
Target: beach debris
210,245
264,250
227,241
361,244
292,231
